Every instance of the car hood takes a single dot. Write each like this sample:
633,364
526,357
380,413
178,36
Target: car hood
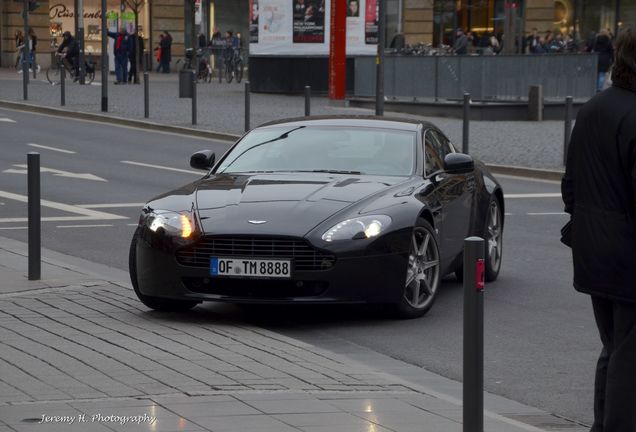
280,204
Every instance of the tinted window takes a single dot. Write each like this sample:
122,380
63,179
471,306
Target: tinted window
309,148
433,159
445,145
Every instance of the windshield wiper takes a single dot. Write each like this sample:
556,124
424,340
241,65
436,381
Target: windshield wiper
278,138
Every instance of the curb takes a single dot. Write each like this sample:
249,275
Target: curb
102,118
534,173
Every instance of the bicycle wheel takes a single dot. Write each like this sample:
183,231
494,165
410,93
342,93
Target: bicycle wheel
53,74
89,77
238,67
229,72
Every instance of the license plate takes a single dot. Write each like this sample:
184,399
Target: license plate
247,267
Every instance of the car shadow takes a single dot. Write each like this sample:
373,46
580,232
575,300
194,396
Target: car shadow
303,316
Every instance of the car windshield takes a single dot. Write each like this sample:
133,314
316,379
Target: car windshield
347,150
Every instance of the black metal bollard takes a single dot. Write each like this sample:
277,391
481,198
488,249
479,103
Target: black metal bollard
568,128
25,80
247,106
194,97
466,125
146,95
63,86
307,101
33,174
473,391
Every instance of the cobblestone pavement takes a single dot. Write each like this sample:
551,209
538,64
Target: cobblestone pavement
221,108
80,353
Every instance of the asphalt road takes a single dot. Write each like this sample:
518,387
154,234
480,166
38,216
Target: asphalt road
540,342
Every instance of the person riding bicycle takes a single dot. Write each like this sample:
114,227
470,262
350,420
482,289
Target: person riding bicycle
70,48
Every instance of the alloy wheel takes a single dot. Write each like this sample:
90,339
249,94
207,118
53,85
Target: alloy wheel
493,234
422,274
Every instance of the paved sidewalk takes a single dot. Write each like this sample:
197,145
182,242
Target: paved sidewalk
221,109
80,353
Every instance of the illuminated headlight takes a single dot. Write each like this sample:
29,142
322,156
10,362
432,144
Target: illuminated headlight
358,228
171,223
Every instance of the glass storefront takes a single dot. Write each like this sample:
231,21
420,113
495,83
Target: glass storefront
479,16
601,14
62,18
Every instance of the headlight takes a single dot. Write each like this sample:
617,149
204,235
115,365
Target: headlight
171,223
358,228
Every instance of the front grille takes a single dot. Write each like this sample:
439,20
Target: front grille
304,256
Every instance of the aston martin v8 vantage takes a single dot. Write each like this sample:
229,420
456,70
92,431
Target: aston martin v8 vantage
319,210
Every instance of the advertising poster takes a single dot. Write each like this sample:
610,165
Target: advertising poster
253,21
298,27
309,21
274,23
355,25
371,22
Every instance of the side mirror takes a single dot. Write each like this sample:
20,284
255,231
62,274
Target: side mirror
203,160
458,163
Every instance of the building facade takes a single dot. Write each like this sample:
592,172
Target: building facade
421,21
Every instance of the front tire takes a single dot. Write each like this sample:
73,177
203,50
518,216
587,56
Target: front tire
53,74
155,303
423,277
493,236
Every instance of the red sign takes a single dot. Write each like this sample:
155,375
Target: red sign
337,49
480,274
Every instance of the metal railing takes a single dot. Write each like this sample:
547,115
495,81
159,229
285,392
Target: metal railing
486,78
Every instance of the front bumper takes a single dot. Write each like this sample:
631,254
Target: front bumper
354,278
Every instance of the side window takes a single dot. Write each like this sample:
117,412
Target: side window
433,161
445,145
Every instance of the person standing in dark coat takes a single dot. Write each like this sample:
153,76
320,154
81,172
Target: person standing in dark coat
121,49
166,54
599,192
132,56
603,46
461,43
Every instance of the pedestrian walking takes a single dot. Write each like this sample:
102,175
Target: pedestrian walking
121,50
599,192
19,47
603,46
166,52
33,45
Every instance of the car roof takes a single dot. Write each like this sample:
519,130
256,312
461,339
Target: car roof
362,121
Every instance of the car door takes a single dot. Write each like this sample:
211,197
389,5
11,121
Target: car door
453,193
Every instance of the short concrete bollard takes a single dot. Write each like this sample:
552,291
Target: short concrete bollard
535,103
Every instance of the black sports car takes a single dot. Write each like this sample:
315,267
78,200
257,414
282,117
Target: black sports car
319,210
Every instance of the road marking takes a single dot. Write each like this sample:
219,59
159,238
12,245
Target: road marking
55,172
133,224
83,226
534,195
547,214
199,173
113,205
84,214
6,120
13,228
51,148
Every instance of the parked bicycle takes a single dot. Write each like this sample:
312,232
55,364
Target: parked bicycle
205,69
53,73
233,65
